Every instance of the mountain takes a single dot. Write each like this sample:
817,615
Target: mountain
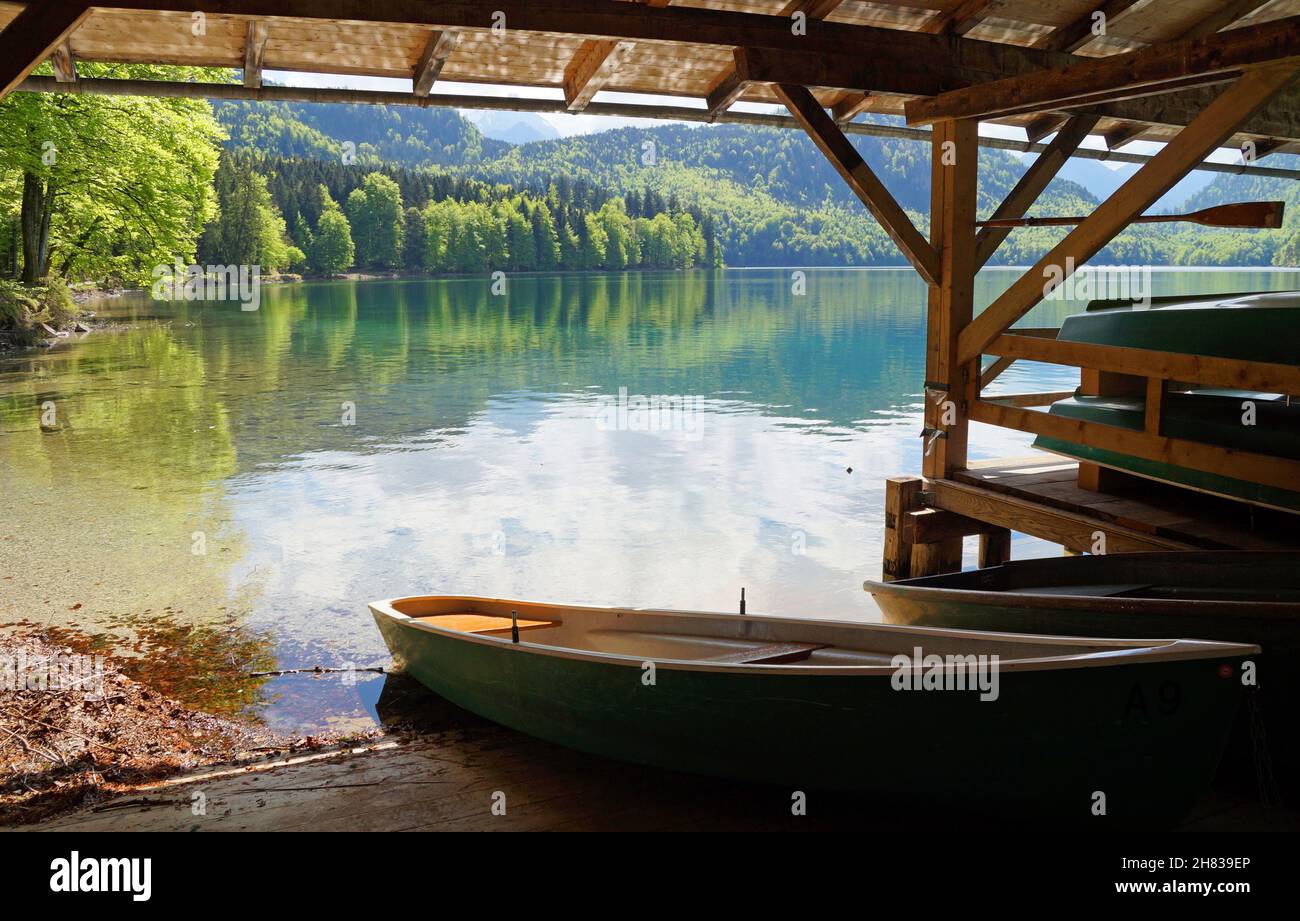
409,136
511,127
768,194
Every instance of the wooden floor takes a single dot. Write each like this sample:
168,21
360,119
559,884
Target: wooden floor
1176,518
448,780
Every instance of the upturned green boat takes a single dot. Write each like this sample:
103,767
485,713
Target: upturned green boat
1029,726
1239,596
1251,327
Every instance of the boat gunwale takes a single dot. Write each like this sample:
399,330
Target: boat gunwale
1102,604
1114,651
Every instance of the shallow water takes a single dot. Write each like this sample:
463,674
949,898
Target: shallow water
201,498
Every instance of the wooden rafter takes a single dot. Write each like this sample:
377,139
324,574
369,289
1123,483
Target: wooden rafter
1223,17
34,35
593,64
255,52
1118,137
962,17
65,63
1031,185
1042,126
1176,65
1208,131
849,107
1073,36
859,72
732,84
865,184
436,51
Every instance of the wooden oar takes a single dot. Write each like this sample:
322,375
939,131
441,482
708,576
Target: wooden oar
1241,214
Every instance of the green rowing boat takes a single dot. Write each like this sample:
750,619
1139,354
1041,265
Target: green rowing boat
1044,727
1252,327
1238,596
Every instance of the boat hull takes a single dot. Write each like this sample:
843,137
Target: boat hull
1272,622
1146,736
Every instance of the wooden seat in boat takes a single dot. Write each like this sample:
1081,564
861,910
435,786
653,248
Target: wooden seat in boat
775,654
467,622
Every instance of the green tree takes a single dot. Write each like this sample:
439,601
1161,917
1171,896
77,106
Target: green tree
375,213
334,252
111,186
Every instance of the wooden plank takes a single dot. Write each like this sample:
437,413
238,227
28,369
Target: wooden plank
1261,469
1179,366
591,68
995,368
1070,529
255,52
1074,35
1030,399
436,51
853,169
1207,132
771,654
950,384
1172,65
468,622
931,525
33,35
1031,185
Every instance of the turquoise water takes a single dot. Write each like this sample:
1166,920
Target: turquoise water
222,490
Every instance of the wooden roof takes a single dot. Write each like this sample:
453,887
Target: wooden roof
581,47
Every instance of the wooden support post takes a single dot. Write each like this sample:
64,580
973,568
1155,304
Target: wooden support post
995,548
837,148
1155,405
935,558
255,52
436,51
950,385
1208,131
902,495
33,35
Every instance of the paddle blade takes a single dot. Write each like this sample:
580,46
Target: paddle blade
1241,214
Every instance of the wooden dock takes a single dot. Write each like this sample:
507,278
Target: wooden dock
450,780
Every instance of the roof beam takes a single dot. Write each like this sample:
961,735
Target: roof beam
1042,126
1118,137
65,63
1175,65
33,35
1175,160
1073,36
733,84
255,52
1031,185
593,64
857,72
865,184
436,51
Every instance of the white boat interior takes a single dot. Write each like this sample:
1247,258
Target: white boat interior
713,639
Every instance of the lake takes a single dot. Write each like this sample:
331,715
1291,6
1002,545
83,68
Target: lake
219,491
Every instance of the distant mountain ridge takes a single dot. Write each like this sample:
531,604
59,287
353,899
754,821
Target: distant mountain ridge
774,199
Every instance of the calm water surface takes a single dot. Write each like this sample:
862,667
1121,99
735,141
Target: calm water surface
203,502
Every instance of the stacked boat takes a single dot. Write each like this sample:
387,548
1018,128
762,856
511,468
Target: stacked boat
1248,327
